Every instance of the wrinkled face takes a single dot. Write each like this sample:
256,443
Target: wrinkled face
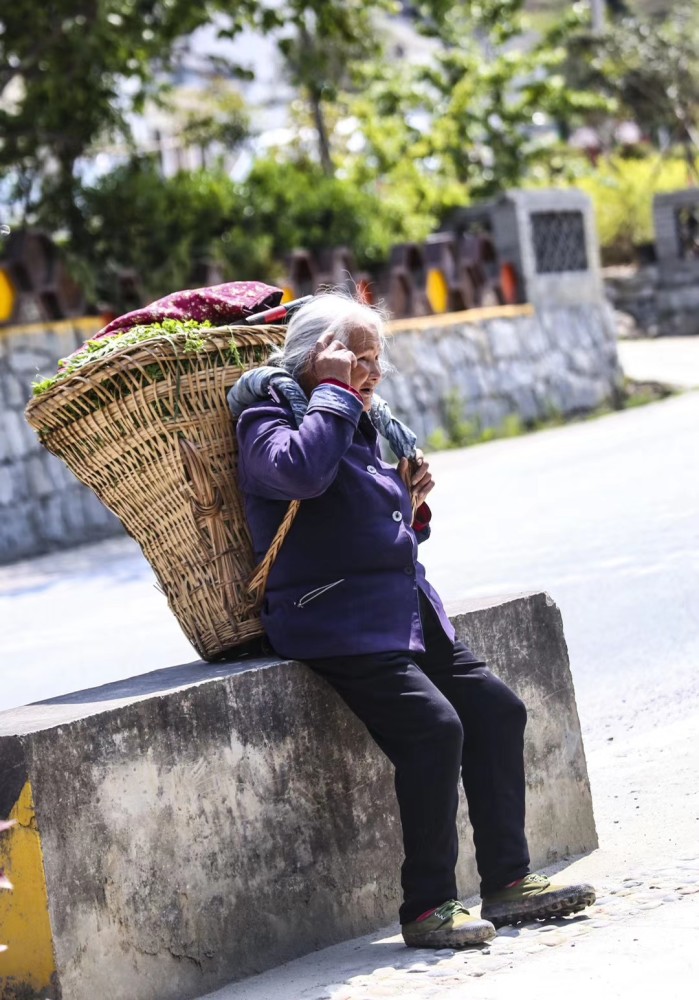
364,343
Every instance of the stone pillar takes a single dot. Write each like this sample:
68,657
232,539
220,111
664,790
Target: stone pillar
676,220
550,237
676,224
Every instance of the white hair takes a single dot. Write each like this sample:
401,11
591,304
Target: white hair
328,312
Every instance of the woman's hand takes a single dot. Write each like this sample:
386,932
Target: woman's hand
420,483
332,359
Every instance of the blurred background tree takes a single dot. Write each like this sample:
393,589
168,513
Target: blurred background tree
70,71
489,107
382,143
647,62
165,229
323,45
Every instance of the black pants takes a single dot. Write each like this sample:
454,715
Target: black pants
435,714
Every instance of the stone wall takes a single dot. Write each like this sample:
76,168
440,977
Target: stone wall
42,505
662,299
485,363
488,364
202,823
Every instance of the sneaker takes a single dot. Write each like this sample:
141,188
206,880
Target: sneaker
535,898
449,926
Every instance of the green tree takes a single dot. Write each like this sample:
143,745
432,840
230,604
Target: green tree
322,45
651,66
212,118
484,112
70,71
162,229
329,48
647,62
295,204
159,228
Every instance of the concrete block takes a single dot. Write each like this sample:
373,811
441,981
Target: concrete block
20,341
18,538
532,338
493,412
525,403
48,519
98,519
199,824
61,476
469,384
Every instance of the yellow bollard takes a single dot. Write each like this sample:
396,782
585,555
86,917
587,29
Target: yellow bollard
437,290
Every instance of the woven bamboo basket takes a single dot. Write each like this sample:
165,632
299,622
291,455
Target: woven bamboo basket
148,429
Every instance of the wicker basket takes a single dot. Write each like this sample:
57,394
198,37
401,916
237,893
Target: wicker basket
149,430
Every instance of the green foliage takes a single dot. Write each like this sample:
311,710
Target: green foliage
653,66
215,115
457,432
322,45
399,143
294,204
97,350
622,191
161,228
63,65
479,116
645,61
71,71
460,433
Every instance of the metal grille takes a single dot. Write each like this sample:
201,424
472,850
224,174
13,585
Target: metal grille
559,242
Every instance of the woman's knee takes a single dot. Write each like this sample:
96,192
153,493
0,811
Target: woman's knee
518,711
446,730
505,704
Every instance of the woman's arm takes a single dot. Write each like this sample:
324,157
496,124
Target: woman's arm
280,462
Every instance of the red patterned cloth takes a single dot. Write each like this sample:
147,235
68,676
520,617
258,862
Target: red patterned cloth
220,304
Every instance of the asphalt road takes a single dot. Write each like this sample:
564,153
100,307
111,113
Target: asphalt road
604,515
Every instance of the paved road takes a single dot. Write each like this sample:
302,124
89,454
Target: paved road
674,360
602,514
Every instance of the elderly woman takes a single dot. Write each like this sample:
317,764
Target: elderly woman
348,596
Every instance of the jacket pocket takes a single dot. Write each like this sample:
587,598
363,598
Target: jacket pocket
312,594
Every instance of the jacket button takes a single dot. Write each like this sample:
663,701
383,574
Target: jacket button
408,570
371,469
397,516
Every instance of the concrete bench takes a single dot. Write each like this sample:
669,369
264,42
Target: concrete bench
199,824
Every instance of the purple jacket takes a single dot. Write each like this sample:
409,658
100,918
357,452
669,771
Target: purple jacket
346,579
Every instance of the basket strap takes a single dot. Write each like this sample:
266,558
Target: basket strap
206,503
410,470
258,581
